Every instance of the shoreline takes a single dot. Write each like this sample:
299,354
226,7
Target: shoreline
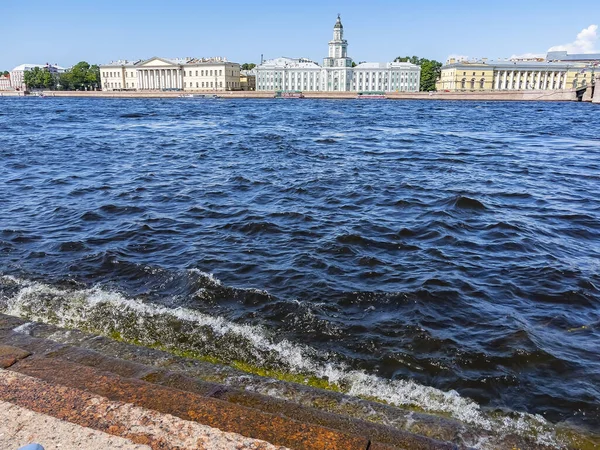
566,95
77,377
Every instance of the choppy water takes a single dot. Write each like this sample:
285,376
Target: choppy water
405,250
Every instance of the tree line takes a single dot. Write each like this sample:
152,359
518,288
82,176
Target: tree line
82,76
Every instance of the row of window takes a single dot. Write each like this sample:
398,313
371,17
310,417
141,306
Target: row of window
202,73
229,84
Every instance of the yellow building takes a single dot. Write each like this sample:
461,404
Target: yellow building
514,75
161,74
248,80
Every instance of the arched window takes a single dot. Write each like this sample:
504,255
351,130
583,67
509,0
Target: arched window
472,83
482,83
463,83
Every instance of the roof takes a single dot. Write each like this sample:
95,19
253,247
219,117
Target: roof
564,56
289,63
388,65
25,67
338,23
533,65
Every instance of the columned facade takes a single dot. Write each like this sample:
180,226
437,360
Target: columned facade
513,75
337,73
160,74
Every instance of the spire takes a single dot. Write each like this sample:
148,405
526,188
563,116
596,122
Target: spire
338,24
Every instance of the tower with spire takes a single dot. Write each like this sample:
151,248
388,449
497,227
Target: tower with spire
337,65
338,48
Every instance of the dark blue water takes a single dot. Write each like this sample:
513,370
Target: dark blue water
453,244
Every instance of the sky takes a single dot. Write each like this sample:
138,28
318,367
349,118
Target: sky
68,31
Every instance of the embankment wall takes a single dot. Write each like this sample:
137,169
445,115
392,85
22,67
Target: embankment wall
560,95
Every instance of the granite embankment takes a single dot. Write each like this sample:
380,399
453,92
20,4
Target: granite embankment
146,398
559,95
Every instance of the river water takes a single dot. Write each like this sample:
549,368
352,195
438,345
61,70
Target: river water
444,255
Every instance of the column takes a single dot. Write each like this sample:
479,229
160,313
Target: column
504,75
538,81
552,80
545,82
497,85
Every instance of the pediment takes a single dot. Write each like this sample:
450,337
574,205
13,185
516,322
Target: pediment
156,62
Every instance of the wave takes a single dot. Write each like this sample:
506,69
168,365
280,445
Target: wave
111,313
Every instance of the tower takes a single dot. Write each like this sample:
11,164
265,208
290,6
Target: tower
338,48
337,67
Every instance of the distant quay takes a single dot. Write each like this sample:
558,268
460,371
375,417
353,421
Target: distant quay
566,95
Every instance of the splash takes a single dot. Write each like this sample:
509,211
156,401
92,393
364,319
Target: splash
183,329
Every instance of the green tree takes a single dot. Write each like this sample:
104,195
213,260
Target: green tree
248,66
80,76
6,73
39,78
430,71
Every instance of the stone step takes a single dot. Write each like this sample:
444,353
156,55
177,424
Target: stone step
90,370
381,425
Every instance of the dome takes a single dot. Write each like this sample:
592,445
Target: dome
338,24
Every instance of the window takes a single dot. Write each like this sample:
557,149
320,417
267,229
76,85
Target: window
482,83
211,73
196,84
196,73
220,72
211,84
220,84
464,74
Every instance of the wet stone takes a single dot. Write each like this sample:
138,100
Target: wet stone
9,355
188,406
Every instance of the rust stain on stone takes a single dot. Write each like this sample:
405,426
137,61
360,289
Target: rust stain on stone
189,406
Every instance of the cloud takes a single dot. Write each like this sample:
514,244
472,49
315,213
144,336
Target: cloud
585,43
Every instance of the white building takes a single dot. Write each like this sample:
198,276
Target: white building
17,75
337,72
5,84
156,74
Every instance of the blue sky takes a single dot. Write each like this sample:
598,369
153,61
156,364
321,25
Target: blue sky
68,31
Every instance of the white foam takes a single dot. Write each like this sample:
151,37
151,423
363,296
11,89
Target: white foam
76,305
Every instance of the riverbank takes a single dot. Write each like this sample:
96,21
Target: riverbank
554,96
160,400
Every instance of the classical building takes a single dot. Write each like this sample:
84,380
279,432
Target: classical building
338,72
161,74
17,75
509,75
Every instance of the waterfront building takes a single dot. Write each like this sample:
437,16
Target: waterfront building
509,75
17,75
248,80
338,72
188,74
5,84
